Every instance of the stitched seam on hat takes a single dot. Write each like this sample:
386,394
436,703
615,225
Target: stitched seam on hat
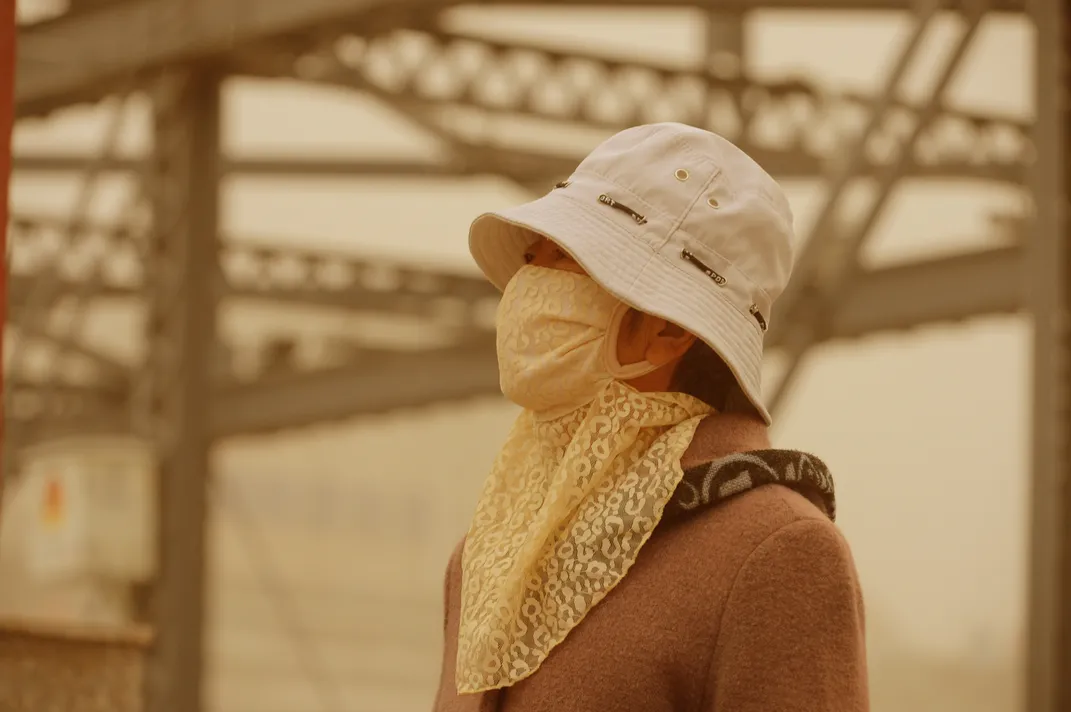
601,217
746,316
650,206
732,193
675,264
685,146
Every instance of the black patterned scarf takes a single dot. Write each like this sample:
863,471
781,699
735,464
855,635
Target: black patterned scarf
714,482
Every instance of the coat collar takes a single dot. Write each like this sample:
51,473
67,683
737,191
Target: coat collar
709,484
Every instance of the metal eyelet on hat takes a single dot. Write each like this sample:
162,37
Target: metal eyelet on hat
713,202
682,174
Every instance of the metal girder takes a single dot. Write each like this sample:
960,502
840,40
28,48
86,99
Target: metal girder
391,382
7,119
109,370
35,403
938,291
323,279
32,316
174,390
896,298
254,271
891,299
984,283
792,128
21,285
1047,664
82,56
539,167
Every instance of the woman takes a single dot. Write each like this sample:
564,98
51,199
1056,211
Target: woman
626,552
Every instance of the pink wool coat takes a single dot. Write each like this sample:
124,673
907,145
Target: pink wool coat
746,599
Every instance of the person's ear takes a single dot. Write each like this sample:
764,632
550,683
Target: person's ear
666,341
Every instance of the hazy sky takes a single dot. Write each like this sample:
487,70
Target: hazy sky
926,433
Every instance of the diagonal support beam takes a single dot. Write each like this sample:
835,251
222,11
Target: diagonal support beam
112,372
830,257
31,315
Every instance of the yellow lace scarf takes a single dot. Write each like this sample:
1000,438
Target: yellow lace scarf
562,517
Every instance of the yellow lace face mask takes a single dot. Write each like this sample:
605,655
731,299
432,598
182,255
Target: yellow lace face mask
577,488
557,341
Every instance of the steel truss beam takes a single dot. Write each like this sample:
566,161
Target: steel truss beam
76,58
331,281
386,382
537,167
251,271
896,298
792,128
53,404
892,299
940,291
984,283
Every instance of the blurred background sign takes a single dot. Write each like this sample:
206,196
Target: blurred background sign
96,509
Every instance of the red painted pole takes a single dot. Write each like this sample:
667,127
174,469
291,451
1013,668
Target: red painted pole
7,120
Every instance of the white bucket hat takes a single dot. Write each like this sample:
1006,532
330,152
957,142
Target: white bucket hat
674,221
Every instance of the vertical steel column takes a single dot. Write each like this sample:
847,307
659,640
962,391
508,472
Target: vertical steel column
724,38
1048,664
725,35
7,120
183,284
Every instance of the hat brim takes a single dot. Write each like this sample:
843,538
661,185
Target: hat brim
628,268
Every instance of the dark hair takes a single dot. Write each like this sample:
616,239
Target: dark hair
702,374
